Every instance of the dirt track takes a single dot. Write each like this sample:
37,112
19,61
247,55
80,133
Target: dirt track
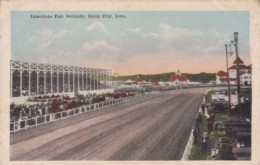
154,128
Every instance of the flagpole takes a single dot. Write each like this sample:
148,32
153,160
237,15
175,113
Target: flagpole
228,79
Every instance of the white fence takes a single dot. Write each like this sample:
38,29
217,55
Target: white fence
24,124
186,153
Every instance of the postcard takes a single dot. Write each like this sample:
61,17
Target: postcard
129,82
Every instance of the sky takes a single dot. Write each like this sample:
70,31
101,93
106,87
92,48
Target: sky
139,42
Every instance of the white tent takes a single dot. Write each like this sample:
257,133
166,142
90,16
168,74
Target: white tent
129,81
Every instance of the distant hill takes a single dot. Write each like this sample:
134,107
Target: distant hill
200,77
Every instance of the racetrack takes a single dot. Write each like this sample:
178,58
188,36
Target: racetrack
152,128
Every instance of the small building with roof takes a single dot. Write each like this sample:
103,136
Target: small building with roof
242,68
138,80
244,73
129,82
178,79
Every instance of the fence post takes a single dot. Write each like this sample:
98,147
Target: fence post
51,116
14,126
25,126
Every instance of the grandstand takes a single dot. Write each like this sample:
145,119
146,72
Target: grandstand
33,79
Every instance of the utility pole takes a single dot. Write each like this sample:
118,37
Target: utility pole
237,69
228,79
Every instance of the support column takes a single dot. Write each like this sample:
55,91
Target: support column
111,79
68,82
109,85
97,80
51,84
94,79
86,83
44,79
78,81
57,87
73,75
106,79
90,88
29,90
63,90
101,79
37,83
82,83
21,82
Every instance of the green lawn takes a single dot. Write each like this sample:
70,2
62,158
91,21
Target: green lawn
224,117
208,97
196,150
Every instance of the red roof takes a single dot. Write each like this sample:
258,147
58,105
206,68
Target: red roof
239,61
138,79
240,67
180,78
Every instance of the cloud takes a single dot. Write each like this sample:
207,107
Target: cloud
134,30
60,57
99,45
168,32
153,35
97,26
45,37
216,48
63,33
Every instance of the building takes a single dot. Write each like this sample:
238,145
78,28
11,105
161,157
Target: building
139,80
29,79
222,78
242,68
244,72
129,82
245,79
162,83
179,79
